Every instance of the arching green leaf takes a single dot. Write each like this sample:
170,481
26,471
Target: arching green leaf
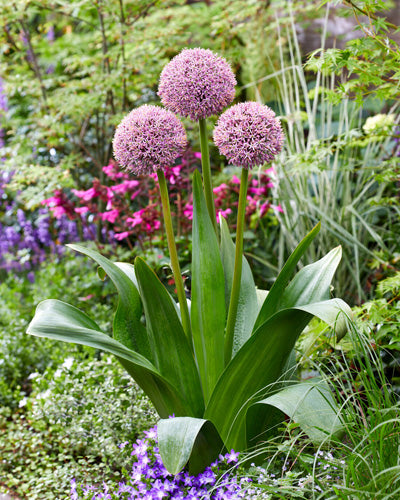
182,440
173,356
60,321
127,327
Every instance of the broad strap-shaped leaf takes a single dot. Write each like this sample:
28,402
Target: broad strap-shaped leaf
312,283
185,439
173,356
257,369
248,307
127,327
208,294
334,312
274,297
309,403
60,321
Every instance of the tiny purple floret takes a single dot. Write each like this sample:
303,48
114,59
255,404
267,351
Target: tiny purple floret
249,134
197,83
149,138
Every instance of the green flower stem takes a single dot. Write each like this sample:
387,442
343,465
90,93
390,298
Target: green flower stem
206,170
237,272
174,255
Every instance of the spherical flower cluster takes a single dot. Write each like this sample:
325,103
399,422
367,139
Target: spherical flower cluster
249,134
149,138
197,84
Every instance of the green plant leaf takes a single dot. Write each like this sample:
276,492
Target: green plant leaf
248,305
60,321
184,439
257,369
208,294
309,403
274,297
127,327
173,356
312,283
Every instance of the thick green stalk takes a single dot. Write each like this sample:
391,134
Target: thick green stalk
237,272
206,170
174,255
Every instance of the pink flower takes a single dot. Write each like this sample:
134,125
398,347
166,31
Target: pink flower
222,187
110,216
277,208
81,210
264,208
223,213
147,139
58,212
235,179
124,187
121,236
197,84
52,201
249,134
188,211
86,195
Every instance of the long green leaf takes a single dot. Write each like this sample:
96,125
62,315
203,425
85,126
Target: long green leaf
248,306
208,294
312,283
257,368
60,321
309,403
182,440
173,356
127,327
272,301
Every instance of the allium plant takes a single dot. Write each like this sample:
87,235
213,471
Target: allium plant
225,366
197,84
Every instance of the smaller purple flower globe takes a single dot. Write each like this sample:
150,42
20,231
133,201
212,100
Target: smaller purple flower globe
249,134
197,83
147,139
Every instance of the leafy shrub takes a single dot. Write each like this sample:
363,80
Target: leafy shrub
19,356
71,427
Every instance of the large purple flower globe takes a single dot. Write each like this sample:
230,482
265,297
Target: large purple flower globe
197,84
147,139
249,134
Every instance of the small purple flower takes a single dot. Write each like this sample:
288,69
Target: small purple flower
149,138
232,456
249,134
197,84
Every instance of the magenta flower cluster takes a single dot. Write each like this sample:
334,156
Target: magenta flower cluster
149,138
149,480
249,134
197,84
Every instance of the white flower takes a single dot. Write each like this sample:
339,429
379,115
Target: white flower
23,402
68,362
380,123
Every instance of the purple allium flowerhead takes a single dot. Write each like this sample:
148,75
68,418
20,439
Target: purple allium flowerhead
197,84
249,134
149,138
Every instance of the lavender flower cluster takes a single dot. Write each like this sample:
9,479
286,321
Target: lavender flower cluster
149,480
149,138
197,84
249,134
27,240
